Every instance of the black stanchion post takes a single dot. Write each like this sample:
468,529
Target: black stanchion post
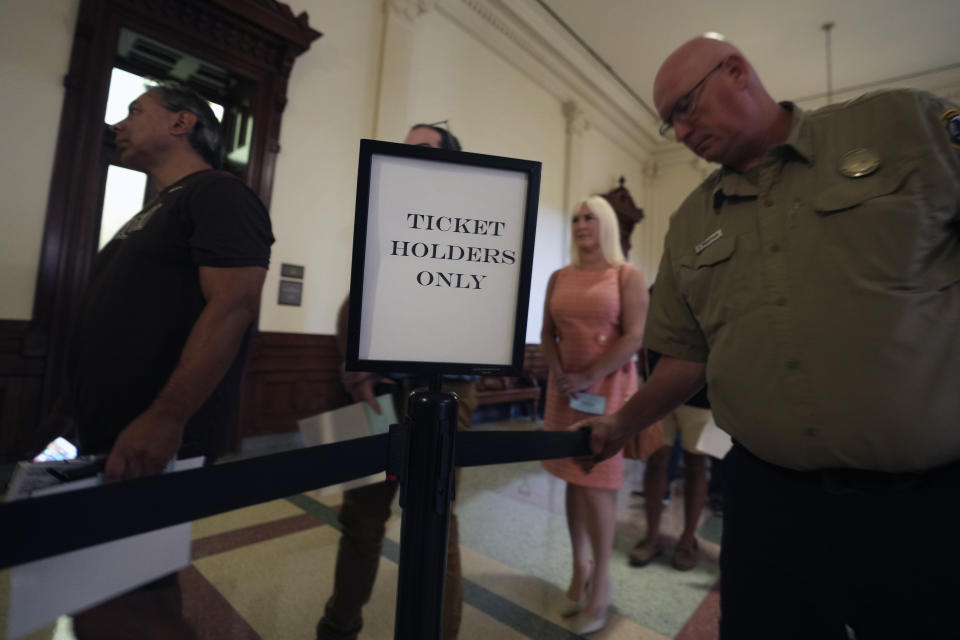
425,494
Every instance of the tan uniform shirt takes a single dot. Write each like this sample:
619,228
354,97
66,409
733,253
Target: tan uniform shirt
825,306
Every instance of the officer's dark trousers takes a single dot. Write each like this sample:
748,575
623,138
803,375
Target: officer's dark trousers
807,554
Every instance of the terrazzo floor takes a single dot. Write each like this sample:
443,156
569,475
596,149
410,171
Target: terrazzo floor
265,571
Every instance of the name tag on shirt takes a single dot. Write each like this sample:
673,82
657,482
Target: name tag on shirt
589,404
709,240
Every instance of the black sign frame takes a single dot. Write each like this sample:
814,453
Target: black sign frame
529,169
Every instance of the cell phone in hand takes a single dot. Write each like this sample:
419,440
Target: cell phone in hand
79,470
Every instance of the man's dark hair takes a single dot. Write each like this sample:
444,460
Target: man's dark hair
205,136
448,141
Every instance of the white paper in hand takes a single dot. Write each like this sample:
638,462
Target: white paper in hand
714,441
346,423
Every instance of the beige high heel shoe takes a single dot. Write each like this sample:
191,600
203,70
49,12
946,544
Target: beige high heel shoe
572,607
586,625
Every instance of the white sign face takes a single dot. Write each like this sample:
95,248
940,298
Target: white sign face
442,263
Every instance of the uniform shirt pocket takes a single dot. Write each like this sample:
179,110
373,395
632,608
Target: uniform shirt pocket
717,282
857,191
886,230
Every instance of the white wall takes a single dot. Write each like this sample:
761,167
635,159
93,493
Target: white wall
671,176
331,98
501,99
335,98
492,107
495,109
35,41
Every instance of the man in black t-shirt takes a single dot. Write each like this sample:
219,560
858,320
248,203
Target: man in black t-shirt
157,350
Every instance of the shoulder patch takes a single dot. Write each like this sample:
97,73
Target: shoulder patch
951,118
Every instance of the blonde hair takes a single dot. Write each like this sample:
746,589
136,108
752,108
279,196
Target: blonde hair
609,232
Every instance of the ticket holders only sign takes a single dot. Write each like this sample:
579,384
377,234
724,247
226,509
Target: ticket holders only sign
442,257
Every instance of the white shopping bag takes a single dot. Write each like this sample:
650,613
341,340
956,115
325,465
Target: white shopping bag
42,590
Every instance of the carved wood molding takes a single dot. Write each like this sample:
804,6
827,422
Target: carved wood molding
290,376
259,32
276,18
628,213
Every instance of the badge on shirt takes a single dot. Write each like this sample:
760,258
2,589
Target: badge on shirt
589,403
709,240
951,118
859,163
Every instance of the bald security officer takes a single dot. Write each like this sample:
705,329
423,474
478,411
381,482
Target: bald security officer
814,282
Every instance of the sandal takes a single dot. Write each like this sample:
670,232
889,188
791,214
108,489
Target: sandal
644,552
685,558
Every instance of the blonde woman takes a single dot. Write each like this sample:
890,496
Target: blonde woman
592,326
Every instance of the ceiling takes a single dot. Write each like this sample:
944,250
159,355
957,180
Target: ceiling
872,41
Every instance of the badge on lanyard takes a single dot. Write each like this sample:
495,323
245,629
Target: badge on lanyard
587,403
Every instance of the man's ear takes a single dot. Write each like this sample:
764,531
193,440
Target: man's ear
739,69
183,123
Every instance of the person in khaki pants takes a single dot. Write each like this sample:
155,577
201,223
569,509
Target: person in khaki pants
365,510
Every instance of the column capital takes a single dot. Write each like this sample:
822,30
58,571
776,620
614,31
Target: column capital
577,122
410,9
651,170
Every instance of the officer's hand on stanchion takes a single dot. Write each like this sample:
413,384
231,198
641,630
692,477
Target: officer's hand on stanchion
606,439
144,447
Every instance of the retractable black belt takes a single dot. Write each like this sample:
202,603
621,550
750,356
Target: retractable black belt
421,453
45,526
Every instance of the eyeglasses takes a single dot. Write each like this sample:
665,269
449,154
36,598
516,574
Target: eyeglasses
685,106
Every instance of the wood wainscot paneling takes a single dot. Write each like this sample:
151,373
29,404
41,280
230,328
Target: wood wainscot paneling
289,376
21,383
535,366
534,363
